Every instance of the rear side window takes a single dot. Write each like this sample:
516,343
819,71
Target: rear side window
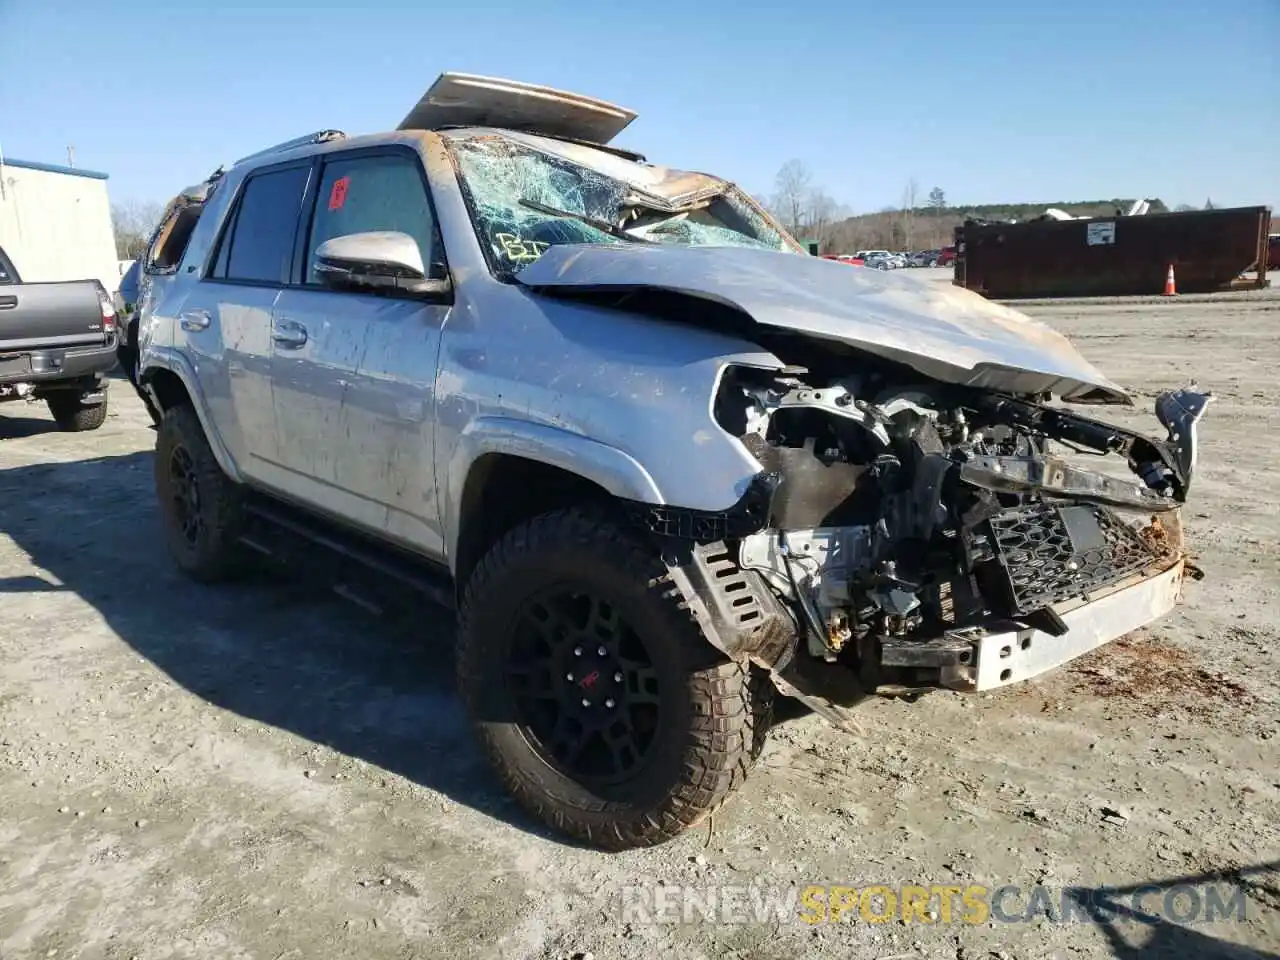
6,274
372,193
171,242
258,246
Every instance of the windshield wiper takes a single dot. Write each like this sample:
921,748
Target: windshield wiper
603,226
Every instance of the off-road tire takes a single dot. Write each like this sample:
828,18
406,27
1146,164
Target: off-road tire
72,415
705,744
215,554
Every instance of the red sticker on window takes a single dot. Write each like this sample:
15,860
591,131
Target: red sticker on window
338,195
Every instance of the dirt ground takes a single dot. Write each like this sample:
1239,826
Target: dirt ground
258,772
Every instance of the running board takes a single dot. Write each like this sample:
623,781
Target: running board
367,573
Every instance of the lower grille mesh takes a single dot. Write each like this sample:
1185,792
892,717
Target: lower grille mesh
1054,553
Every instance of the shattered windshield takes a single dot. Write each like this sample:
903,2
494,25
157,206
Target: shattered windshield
523,201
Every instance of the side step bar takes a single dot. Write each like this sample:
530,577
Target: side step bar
375,576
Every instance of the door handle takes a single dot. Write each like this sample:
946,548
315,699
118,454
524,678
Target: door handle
8,303
196,320
289,334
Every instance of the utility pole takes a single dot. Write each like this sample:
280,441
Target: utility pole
71,155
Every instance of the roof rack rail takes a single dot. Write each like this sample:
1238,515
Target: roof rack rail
320,136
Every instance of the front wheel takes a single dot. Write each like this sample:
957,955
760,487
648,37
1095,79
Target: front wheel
601,706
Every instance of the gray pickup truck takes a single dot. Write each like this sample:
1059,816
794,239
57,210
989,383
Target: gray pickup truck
57,344
661,461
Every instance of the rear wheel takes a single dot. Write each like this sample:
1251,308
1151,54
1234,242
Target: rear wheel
73,415
603,709
199,504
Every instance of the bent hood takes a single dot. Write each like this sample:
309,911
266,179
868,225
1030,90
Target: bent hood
940,330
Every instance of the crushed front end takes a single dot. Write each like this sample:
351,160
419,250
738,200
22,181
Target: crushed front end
915,536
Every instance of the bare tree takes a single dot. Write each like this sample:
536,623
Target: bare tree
909,194
937,200
1183,208
133,222
792,192
823,213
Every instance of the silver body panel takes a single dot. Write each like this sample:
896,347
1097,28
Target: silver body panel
379,418
620,399
943,332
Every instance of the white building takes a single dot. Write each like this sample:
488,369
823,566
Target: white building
55,223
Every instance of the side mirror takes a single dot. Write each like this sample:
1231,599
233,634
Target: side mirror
386,260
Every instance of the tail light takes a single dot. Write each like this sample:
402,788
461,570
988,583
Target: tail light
108,311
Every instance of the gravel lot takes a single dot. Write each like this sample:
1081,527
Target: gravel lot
260,772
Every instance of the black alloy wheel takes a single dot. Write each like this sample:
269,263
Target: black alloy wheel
199,505
184,486
603,709
586,689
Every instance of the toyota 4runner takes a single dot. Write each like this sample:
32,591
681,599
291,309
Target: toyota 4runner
662,462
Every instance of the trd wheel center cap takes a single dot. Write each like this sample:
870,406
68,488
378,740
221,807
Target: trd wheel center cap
593,683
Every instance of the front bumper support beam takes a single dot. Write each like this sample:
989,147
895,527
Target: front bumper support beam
1019,653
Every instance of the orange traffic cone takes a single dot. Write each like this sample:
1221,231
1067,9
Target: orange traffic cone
1170,287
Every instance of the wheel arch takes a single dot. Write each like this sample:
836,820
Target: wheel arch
171,382
505,471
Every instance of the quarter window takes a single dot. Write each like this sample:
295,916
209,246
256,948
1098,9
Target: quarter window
373,193
258,246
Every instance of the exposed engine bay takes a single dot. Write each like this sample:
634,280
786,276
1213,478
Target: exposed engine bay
906,520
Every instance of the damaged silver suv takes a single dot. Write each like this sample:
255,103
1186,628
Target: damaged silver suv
661,461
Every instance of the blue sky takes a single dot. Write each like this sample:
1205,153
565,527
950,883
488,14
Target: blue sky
992,100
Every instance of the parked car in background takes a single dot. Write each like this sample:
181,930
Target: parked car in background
882,259
923,258
126,298
57,344
946,257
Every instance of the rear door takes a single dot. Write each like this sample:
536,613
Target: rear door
354,371
226,319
